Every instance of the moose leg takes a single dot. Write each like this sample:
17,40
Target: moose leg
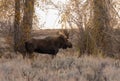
53,56
55,51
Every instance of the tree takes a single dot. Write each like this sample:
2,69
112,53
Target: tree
101,25
93,19
17,25
96,37
23,30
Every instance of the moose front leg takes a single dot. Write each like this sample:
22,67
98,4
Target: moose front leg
54,53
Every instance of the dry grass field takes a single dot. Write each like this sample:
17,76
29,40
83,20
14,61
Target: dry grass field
66,66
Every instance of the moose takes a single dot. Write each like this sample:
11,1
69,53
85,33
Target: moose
49,45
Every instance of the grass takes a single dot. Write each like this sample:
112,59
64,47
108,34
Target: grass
68,68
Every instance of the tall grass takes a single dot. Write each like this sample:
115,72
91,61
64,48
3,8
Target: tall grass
60,69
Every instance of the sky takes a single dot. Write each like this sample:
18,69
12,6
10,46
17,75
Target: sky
50,18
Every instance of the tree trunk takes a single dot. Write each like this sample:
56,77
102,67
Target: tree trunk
17,25
101,25
27,22
23,30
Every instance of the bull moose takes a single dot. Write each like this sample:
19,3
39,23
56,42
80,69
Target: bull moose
49,45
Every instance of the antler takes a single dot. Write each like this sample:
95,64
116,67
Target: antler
64,32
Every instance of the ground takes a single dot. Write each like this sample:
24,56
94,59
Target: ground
86,68
66,66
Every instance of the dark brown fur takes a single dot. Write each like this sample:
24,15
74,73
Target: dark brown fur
49,45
